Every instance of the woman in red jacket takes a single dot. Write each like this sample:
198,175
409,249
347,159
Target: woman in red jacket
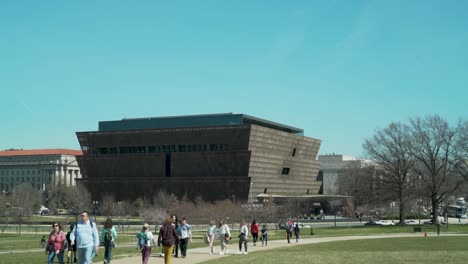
56,244
254,231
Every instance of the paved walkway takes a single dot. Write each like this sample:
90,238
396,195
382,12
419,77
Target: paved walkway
198,255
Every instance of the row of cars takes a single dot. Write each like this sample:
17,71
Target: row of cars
390,222
45,211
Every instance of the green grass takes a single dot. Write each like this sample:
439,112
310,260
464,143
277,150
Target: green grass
126,243
420,250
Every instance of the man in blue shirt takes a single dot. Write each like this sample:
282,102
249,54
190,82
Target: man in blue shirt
87,239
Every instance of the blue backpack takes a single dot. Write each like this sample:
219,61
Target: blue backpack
142,239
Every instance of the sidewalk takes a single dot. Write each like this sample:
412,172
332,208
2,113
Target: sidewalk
198,255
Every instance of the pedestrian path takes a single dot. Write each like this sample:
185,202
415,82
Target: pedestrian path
198,255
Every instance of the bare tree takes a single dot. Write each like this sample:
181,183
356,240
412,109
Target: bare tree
108,205
438,150
77,198
391,149
358,180
25,199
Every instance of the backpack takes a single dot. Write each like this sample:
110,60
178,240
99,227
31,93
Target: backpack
142,239
108,235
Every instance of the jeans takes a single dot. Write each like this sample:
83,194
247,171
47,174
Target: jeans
183,246
145,254
52,256
108,251
255,237
85,255
167,254
176,248
243,240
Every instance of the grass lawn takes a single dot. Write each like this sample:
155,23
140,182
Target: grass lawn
420,250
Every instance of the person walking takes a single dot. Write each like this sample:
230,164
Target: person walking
297,232
289,227
56,244
176,223
86,238
71,249
224,236
185,237
210,234
107,238
145,240
264,235
243,236
167,238
43,242
254,231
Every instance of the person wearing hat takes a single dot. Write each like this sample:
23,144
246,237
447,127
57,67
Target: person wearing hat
146,249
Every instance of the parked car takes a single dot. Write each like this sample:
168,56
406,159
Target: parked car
43,210
410,222
62,211
385,222
430,222
371,223
380,222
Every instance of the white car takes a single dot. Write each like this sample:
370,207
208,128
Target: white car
385,222
43,210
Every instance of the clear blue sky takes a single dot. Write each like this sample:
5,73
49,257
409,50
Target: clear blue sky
337,69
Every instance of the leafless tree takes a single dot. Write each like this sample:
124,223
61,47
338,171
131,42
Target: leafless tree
25,199
438,150
359,181
391,149
5,220
348,207
77,198
108,205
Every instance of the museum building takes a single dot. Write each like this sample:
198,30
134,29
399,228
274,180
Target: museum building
213,156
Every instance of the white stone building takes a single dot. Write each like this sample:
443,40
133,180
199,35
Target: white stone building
331,165
41,167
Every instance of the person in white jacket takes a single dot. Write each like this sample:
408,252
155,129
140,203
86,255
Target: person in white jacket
224,236
243,236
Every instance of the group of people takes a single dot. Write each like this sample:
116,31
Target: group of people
223,233
82,241
291,227
173,234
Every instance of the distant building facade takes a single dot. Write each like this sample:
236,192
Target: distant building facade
330,167
217,156
41,168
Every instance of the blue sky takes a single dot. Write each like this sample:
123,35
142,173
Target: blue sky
337,69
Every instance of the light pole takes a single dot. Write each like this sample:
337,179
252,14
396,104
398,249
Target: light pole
419,200
95,204
251,192
393,206
120,213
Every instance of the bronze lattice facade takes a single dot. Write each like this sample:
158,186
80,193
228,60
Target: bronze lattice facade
233,157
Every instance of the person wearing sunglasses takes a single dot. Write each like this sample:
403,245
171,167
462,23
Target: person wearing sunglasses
56,244
87,239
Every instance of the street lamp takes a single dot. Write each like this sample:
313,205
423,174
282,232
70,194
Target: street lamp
120,213
393,206
419,200
95,205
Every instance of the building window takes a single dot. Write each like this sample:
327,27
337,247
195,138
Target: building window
294,152
103,151
285,171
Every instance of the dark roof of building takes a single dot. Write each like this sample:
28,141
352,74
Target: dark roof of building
226,119
34,152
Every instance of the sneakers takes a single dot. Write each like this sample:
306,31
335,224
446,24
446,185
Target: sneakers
240,252
105,261
221,253
245,253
